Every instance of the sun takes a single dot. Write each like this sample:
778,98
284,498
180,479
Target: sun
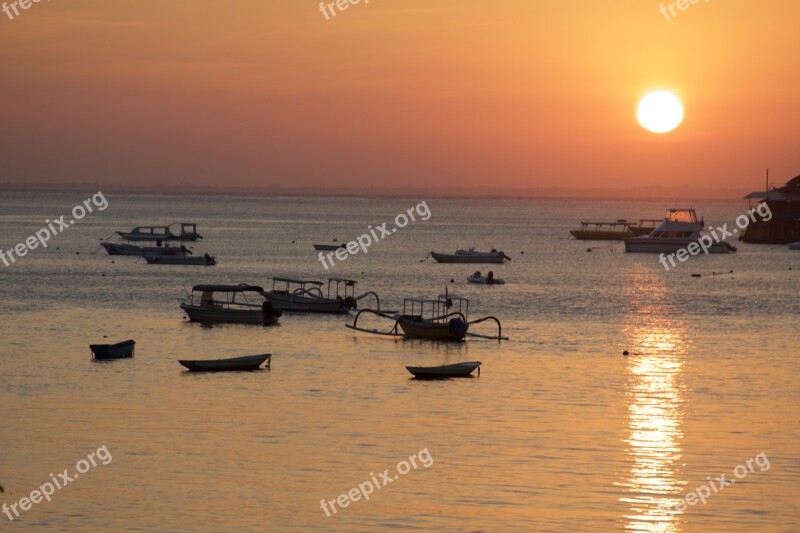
660,112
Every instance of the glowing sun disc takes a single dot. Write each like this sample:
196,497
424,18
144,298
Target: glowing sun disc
660,112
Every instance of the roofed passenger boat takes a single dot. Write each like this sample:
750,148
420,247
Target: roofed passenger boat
232,304
187,232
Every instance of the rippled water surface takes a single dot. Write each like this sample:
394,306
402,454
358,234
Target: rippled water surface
560,432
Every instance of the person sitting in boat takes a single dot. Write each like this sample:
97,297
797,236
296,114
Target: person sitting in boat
490,278
268,313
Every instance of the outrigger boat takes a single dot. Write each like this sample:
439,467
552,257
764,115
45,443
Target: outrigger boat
235,308
443,319
306,296
613,231
202,260
471,256
188,232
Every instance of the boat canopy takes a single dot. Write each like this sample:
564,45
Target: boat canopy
298,281
242,287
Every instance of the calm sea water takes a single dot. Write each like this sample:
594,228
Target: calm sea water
560,432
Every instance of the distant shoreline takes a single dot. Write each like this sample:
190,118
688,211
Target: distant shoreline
646,193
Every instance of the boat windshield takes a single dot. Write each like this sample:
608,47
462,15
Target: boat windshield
681,215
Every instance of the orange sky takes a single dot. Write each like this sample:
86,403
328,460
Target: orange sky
520,94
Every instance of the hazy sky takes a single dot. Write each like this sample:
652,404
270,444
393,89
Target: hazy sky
524,94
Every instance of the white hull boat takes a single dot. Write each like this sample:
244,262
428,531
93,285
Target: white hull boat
679,229
188,232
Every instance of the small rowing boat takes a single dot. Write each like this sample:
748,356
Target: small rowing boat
247,362
119,350
456,370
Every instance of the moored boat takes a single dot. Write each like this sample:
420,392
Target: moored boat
489,279
114,248
204,305
677,231
243,363
604,231
442,319
455,370
306,296
202,260
471,256
187,232
119,350
326,247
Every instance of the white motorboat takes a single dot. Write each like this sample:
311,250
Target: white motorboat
114,248
200,260
471,256
679,229
188,232
233,308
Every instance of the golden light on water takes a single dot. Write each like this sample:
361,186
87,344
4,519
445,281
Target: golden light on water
655,398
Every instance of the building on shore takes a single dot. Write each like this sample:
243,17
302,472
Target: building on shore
784,226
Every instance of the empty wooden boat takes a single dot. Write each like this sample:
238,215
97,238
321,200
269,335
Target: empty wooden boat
246,362
119,350
455,370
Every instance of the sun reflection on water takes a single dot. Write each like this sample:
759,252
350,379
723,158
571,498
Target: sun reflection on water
657,342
